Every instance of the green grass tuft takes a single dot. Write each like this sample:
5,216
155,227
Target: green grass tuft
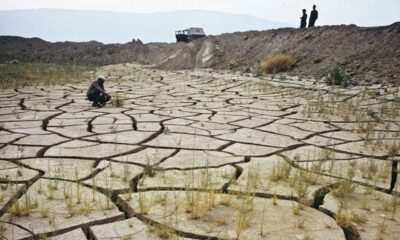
337,76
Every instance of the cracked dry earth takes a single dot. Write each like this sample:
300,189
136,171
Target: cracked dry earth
199,155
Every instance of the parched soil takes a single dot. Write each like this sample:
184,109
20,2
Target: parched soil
368,55
200,155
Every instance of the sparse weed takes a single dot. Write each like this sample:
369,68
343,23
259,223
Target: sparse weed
296,209
145,204
149,170
300,186
163,231
344,218
44,211
308,237
263,218
280,171
86,208
3,229
118,100
24,208
244,209
344,189
274,200
195,205
369,170
301,223
394,204
225,200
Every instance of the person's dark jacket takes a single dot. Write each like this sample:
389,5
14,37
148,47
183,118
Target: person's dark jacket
313,18
96,86
303,22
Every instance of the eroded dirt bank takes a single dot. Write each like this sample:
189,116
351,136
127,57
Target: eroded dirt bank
367,54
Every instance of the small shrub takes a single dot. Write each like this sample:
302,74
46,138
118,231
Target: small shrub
277,63
337,76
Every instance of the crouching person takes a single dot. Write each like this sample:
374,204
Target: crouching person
97,94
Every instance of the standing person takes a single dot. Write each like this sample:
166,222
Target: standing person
97,94
303,18
313,17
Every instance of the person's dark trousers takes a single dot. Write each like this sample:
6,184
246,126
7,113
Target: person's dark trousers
99,98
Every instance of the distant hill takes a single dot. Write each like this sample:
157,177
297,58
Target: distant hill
117,27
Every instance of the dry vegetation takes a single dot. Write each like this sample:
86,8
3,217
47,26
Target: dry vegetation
118,100
277,63
20,75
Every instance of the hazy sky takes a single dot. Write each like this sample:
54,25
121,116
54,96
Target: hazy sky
360,12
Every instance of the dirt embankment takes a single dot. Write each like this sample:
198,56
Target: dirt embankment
368,55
